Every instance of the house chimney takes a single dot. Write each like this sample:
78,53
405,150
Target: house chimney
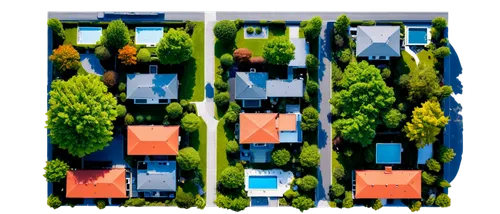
388,170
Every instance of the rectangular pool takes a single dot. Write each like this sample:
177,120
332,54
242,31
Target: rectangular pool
148,35
417,36
262,182
89,35
388,153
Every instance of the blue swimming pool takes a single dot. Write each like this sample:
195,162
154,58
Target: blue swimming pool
417,36
262,182
388,153
148,35
89,35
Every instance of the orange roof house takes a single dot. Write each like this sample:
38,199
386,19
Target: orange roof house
258,128
153,140
106,183
388,184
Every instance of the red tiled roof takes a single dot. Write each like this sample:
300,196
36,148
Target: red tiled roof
153,140
258,128
390,184
106,183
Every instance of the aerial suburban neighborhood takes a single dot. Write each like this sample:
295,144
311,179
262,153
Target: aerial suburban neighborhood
251,109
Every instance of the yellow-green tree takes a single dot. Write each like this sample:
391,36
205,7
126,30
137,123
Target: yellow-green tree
426,123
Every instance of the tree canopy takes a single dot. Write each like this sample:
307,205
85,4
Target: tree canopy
342,24
184,199
433,165
232,178
423,83
312,63
81,114
55,170
443,200
377,204
446,154
175,47
360,103
57,28
235,204
393,118
313,28
65,58
280,157
279,51
174,110
116,35
190,122
310,118
127,55
53,201
336,190
188,159
144,55
309,156
439,23
308,183
302,203
426,123
232,147
225,31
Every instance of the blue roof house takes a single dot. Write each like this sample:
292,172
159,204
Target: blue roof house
156,179
152,88
378,42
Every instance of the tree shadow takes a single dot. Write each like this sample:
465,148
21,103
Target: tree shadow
187,78
222,48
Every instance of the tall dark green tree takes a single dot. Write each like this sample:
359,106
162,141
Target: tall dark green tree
116,35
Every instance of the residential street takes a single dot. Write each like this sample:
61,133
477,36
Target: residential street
324,128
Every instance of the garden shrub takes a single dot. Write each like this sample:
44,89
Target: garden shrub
312,87
310,118
139,118
57,28
232,178
232,147
430,200
337,74
282,202
190,122
231,117
242,55
184,199
174,110
239,23
222,99
439,23
280,157
368,23
53,201
184,103
122,86
129,119
444,184
443,200
189,27
332,204
149,118
250,30
109,78
263,22
55,170
225,31
386,73
312,63
348,202
220,85
336,190
302,203
65,58
258,30
226,60
441,52
415,206
309,156
345,56
102,53
446,154
100,203
123,97
188,159
433,165
127,55
290,194
338,172
144,55
377,204
236,204
135,202
200,202
428,178
234,107
121,110
308,183
256,60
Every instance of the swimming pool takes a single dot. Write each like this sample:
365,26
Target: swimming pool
262,182
148,35
417,36
89,35
388,153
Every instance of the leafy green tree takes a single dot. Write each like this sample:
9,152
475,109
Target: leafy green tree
100,203
135,202
360,103
302,203
428,178
415,206
312,63
338,172
308,183
310,118
53,201
423,83
225,31
121,110
290,194
232,147
345,55
280,157
232,178
336,190
188,159
235,204
348,202
116,35
102,53
309,156
129,119
226,60
200,202
174,110
175,47
433,165
190,122
443,200
220,85
279,51
446,154
57,28
426,123
55,170
79,123
393,118
144,55
441,52
430,200
222,99
313,28
231,117
377,204
312,87
184,199
342,24
65,58
439,23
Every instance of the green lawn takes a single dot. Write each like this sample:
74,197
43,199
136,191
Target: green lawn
254,45
192,80
198,140
71,35
224,135
406,63
426,57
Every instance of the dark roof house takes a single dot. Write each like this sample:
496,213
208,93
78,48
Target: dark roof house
257,86
378,42
155,178
152,88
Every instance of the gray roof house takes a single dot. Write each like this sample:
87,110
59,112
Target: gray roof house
285,88
378,42
301,51
152,88
156,178
250,85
